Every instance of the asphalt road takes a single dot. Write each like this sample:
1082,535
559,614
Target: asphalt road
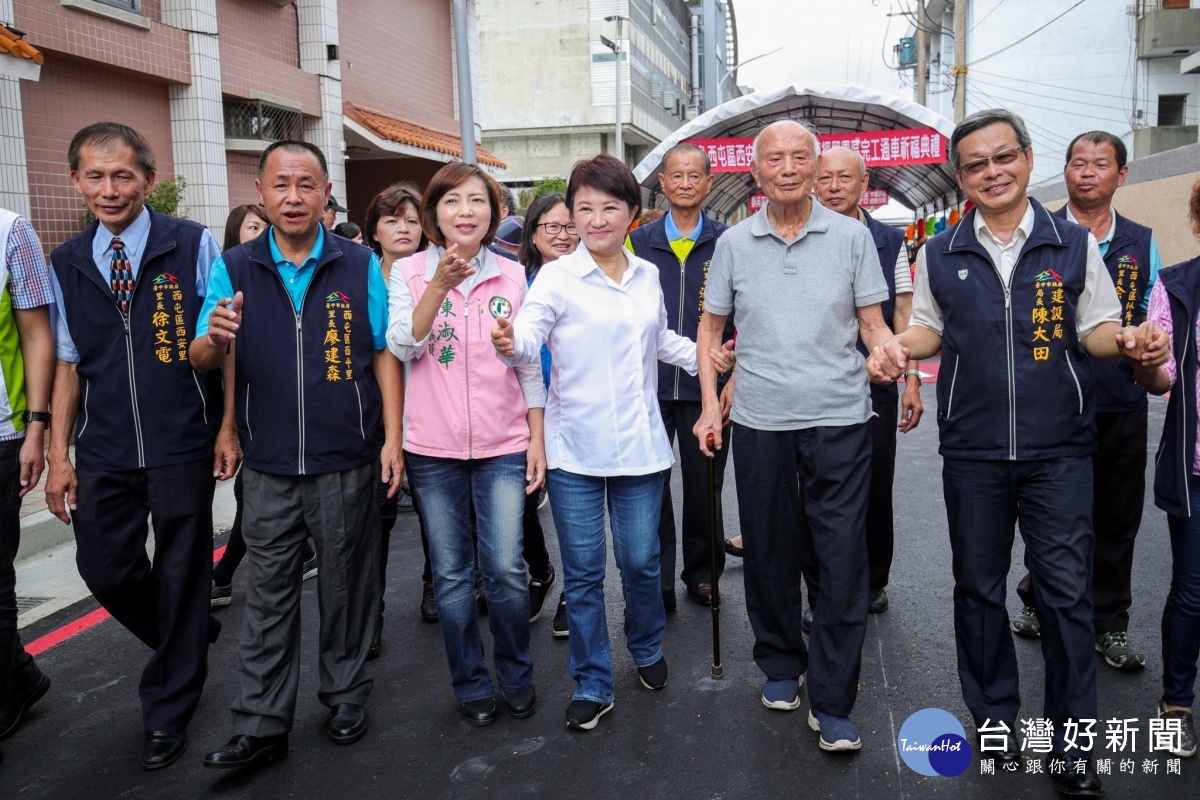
698,738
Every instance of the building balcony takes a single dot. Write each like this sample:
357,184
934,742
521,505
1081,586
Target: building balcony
1148,141
1167,32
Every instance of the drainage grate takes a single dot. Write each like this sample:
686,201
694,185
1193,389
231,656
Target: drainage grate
26,603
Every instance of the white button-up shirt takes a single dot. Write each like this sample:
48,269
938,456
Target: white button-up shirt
605,341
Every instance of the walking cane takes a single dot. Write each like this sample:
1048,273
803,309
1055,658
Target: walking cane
718,671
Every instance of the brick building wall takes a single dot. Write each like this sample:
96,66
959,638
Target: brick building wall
397,58
70,95
242,170
365,179
260,51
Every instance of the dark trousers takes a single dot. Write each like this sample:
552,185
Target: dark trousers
537,558
387,520
1119,477
235,548
833,465
341,513
17,670
1181,614
164,604
1052,498
680,417
881,530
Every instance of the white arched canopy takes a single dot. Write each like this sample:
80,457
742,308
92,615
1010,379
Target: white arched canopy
830,108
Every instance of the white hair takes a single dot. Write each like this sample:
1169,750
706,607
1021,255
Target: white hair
809,129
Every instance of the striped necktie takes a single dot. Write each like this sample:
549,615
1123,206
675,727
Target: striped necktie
121,276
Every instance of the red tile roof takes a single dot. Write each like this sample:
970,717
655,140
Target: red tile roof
18,47
395,129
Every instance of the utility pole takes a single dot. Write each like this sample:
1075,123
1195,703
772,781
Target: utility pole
961,11
616,49
922,50
466,106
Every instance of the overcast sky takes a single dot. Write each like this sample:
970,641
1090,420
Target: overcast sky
833,41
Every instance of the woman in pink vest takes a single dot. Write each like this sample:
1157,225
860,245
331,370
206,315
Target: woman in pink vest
473,433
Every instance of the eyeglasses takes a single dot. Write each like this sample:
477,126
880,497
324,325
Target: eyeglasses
1002,159
555,228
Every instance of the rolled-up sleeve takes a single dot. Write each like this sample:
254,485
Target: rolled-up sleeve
1098,301
718,289
926,312
400,339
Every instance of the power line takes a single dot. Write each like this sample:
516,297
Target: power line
985,16
1018,102
1026,36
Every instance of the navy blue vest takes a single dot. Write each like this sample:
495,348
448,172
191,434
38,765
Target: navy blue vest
306,396
1128,262
141,405
1012,383
1177,449
888,242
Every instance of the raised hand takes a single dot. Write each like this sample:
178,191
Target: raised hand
502,337
452,269
225,320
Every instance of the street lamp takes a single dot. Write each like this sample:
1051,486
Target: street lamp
616,49
738,66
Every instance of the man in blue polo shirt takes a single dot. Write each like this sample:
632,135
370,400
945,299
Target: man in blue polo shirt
681,245
313,384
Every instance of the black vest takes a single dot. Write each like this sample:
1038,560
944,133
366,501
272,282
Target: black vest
141,405
306,396
1012,383
1128,262
1177,448
888,242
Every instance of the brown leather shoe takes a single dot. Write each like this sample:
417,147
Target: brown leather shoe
701,593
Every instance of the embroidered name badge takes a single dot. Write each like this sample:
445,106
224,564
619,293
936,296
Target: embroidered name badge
500,307
339,365
962,274
168,319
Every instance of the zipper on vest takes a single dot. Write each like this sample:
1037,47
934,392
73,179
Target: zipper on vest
300,376
1187,468
679,328
467,376
1012,382
137,421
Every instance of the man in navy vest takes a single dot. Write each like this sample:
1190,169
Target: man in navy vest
1016,300
681,245
841,181
1094,170
313,384
128,291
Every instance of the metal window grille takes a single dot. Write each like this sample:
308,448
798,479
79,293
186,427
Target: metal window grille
254,119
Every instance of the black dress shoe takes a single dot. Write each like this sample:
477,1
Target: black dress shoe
429,612
877,601
733,550
521,704
162,748
668,597
1077,779
479,712
20,702
347,723
701,593
404,502
1008,758
376,646
243,750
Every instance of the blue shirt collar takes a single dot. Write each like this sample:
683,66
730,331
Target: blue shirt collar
673,234
280,261
134,238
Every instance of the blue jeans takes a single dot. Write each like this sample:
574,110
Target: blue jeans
634,502
1181,616
445,489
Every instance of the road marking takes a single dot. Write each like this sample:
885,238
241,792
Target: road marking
87,621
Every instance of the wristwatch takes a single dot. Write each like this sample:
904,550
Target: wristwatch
36,416
913,373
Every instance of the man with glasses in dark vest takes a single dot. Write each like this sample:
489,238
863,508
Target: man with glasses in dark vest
128,291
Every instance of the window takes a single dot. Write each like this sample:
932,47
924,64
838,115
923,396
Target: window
254,119
1172,109
125,5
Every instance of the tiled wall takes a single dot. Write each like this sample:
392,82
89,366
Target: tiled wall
70,95
242,170
396,58
260,51
162,51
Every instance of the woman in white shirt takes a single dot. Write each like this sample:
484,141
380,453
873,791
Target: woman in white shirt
600,311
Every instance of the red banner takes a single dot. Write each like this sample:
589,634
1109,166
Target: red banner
756,201
874,198
878,148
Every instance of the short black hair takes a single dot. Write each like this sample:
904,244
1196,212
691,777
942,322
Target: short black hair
606,174
983,119
296,146
99,134
1102,137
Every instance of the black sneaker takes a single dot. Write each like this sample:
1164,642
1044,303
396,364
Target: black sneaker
309,570
877,601
481,604
538,592
654,676
1185,747
806,619
429,612
1025,624
582,715
221,595
559,628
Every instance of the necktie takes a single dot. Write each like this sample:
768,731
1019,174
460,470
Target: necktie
121,276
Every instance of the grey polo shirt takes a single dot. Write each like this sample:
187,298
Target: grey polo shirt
796,319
